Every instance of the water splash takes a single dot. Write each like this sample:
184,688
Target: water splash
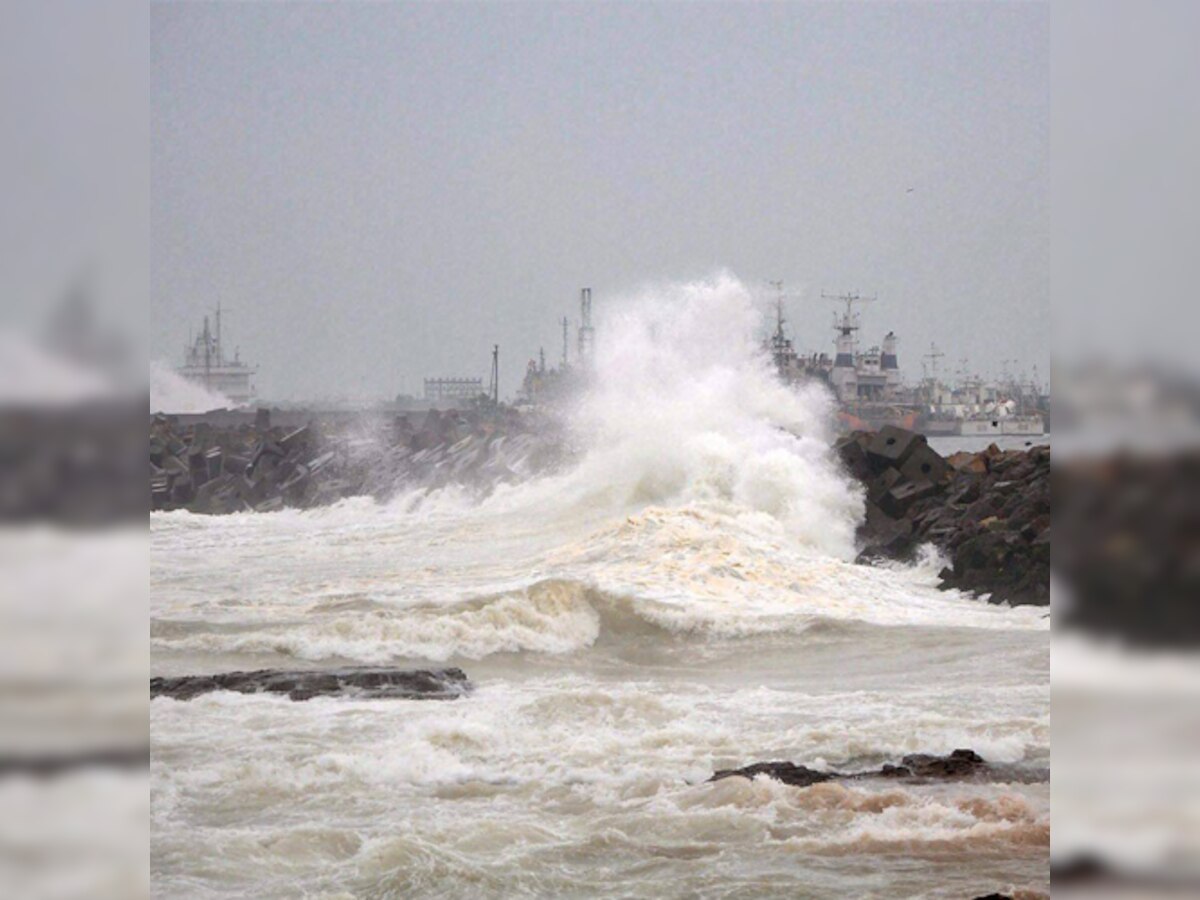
172,393
683,408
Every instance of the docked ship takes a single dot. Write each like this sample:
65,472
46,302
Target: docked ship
871,392
975,408
867,383
205,363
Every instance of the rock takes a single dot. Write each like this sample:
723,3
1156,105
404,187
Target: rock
367,683
956,765
892,446
959,764
788,773
882,483
898,498
853,453
892,538
925,465
965,461
306,466
989,511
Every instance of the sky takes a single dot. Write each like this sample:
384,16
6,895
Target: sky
377,193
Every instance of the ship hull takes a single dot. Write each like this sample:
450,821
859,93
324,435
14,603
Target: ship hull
872,419
1031,426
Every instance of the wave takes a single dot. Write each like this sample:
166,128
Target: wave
562,615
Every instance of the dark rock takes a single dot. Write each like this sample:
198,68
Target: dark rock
956,765
925,465
361,683
882,483
921,766
891,446
309,466
989,511
965,492
898,498
788,773
852,451
892,539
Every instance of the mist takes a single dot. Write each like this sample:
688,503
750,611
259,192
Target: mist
378,194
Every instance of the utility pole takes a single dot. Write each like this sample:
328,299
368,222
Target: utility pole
565,324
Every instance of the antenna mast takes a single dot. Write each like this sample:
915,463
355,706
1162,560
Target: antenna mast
849,320
495,375
587,335
933,356
207,355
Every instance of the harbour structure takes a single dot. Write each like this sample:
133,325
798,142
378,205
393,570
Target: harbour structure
205,363
453,391
972,406
867,383
871,392
544,384
587,334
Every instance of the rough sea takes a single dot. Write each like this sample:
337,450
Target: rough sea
682,599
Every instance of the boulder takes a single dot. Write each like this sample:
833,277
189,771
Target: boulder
891,446
989,511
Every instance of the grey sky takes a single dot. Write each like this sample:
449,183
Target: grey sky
380,192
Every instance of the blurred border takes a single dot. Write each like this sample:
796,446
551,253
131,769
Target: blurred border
1126,548
74,275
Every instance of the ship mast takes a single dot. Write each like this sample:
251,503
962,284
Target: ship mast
844,375
933,356
780,346
207,355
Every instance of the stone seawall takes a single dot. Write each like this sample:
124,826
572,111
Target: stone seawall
214,468
988,511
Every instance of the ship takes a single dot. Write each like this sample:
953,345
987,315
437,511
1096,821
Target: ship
871,392
867,383
205,363
976,408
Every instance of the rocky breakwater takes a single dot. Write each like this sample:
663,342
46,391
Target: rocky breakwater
988,511
213,469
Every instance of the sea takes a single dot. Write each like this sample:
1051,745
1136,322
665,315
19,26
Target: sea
681,598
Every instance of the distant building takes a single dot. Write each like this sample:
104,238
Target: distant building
456,391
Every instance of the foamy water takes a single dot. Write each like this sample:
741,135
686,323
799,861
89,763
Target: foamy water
684,599
170,392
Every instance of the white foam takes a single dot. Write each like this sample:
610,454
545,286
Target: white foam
172,393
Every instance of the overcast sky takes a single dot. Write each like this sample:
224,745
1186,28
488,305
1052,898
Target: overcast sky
380,192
